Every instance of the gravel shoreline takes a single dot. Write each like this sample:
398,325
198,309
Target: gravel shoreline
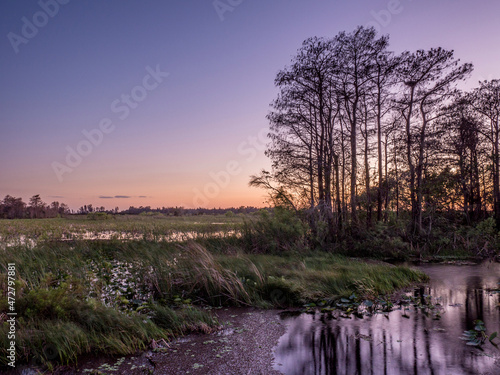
244,345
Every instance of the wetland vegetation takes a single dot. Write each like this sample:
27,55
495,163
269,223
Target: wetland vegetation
115,296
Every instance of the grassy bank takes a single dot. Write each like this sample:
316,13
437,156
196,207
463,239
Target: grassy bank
115,297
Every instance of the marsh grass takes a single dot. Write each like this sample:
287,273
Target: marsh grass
60,323
65,307
300,279
121,227
115,296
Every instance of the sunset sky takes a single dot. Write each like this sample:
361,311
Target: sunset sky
164,103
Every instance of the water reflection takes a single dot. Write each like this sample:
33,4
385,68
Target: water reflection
172,236
394,344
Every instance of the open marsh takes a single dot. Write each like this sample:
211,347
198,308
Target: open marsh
120,227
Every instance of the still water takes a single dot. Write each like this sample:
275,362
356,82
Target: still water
393,344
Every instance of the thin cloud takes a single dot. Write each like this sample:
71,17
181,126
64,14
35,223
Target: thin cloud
120,196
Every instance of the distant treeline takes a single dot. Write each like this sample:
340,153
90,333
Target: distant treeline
181,211
14,208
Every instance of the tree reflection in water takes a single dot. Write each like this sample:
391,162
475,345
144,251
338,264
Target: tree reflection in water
397,345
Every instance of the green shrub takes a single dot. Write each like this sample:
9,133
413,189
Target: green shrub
276,232
487,227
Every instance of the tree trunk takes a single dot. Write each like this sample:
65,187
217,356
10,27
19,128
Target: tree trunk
386,185
379,146
337,188
367,178
354,161
411,167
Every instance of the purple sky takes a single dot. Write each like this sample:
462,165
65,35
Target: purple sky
193,137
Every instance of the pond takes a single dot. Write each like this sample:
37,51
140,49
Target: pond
403,342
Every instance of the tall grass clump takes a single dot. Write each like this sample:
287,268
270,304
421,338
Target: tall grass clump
59,323
206,278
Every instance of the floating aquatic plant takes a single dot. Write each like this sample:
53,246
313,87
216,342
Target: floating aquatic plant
478,336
